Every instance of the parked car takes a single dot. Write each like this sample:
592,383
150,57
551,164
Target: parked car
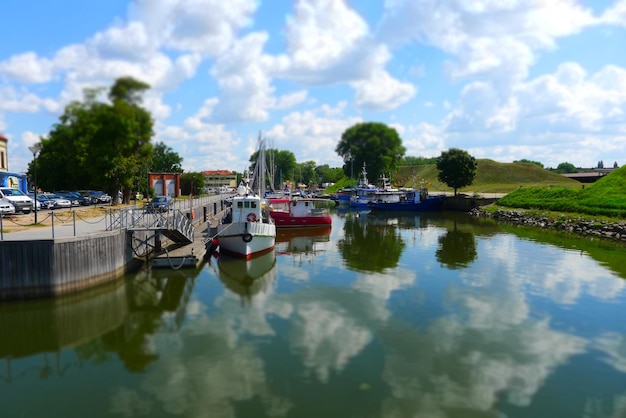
96,196
59,202
17,198
160,204
36,203
6,208
76,198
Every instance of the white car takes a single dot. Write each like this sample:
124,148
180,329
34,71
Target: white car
6,208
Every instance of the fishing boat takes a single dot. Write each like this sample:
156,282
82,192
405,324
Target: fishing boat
413,200
247,229
299,212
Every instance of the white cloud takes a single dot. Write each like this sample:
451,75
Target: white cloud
382,92
28,68
484,35
312,134
616,14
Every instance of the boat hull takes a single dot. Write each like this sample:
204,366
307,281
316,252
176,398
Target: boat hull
286,220
246,239
432,203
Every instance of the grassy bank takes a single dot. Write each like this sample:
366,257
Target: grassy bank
605,197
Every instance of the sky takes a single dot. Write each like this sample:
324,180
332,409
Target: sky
543,80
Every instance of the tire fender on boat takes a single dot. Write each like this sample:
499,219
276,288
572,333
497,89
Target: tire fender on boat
247,237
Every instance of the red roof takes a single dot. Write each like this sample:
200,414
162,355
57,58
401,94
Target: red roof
218,173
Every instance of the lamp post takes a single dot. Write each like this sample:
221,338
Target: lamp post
35,150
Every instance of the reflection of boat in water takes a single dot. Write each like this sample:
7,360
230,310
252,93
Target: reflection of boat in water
300,240
247,277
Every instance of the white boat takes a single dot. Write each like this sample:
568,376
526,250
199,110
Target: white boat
247,229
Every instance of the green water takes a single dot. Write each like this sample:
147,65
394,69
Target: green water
436,315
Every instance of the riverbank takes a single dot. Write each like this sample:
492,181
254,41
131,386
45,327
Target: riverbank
613,230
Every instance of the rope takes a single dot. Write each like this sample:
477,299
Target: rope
69,217
86,221
170,261
12,220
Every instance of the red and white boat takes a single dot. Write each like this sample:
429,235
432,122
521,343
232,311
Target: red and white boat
299,212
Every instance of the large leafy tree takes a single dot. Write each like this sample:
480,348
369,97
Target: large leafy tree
281,166
456,168
566,168
97,144
371,143
192,181
326,174
165,160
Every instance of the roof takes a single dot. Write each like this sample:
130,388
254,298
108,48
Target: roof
218,173
3,138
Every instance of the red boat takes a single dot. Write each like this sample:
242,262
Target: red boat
299,212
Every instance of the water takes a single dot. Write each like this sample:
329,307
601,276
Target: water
437,315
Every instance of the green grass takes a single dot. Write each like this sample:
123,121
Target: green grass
605,197
491,177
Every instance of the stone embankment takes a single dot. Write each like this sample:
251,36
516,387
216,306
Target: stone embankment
586,227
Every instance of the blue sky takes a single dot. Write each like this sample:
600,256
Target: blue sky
543,80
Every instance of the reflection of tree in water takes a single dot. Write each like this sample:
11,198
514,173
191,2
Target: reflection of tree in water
370,247
114,320
457,249
149,298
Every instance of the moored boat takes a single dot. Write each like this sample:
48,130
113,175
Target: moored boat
416,201
297,212
247,229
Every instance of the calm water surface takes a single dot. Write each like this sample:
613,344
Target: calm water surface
437,315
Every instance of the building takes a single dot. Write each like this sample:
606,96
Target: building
4,159
165,184
216,180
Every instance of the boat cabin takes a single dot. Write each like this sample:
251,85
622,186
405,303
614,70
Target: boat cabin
247,209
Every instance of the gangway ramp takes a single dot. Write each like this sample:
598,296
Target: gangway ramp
173,224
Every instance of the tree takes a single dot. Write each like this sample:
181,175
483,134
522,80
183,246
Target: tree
372,143
566,168
456,168
189,180
306,173
165,160
411,161
99,145
325,174
280,164
524,160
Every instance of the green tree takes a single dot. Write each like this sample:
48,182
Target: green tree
192,180
165,160
281,166
456,168
326,174
306,173
524,160
408,160
99,145
372,143
566,168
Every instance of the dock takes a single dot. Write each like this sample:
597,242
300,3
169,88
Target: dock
175,255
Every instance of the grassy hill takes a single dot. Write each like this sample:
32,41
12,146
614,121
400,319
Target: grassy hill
491,177
606,197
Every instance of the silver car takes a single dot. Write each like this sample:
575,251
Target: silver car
6,208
